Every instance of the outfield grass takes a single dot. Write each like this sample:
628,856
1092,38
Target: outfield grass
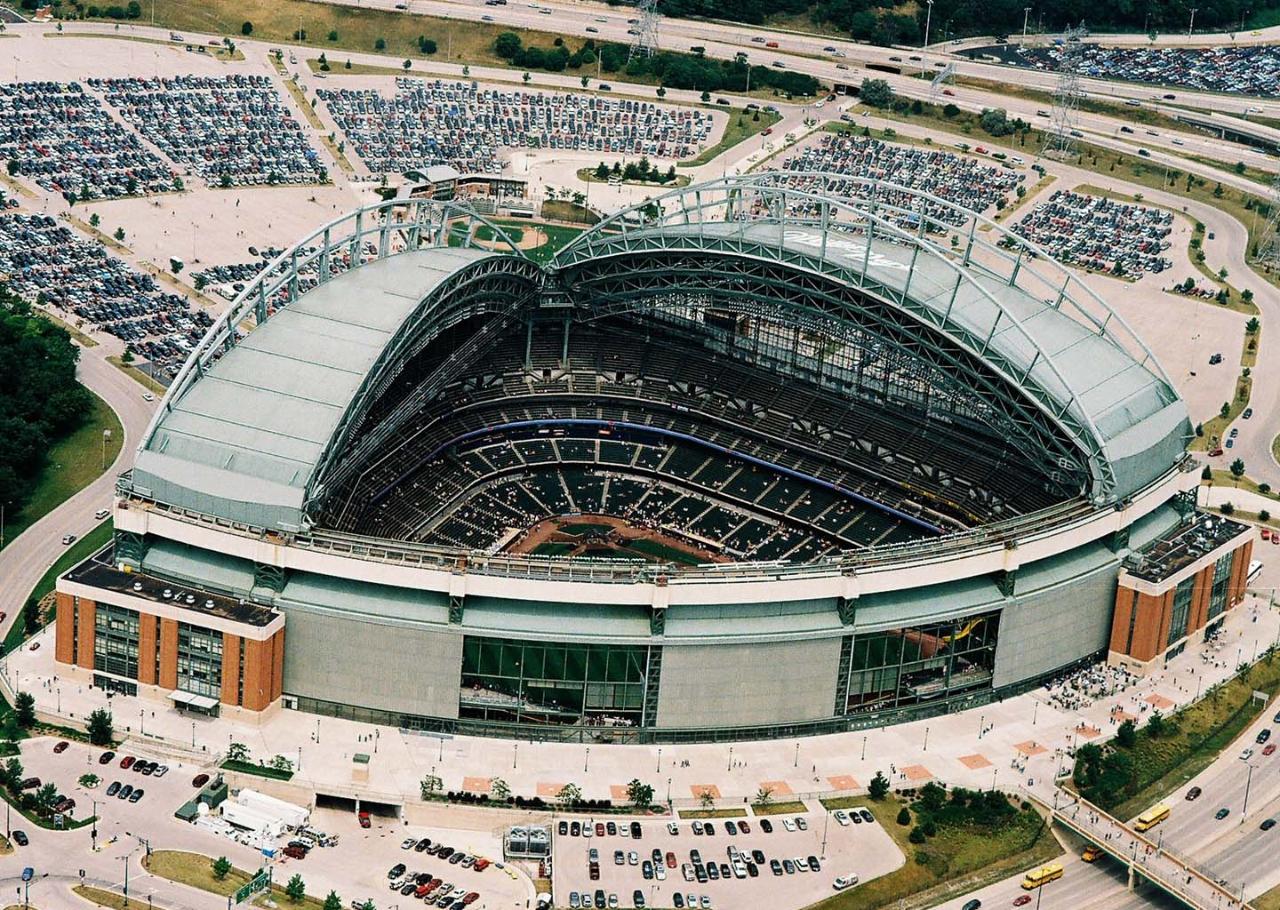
742,125
486,234
660,550
956,861
558,238
559,210
72,464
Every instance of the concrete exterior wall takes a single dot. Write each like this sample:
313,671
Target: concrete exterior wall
1055,626
747,684
357,660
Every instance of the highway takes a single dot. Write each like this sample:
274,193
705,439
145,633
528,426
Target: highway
24,560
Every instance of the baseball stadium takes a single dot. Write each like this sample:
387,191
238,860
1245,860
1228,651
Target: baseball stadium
771,455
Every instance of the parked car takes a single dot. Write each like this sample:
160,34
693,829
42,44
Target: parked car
1263,736
200,780
136,795
364,819
1268,824
295,852
766,826
20,838
126,791
60,747
114,788
105,758
1222,813
28,874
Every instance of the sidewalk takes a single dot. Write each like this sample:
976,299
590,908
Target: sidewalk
1025,740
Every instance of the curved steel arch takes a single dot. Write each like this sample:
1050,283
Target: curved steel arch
651,227
426,223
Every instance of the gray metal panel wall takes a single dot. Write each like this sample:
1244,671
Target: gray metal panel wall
747,684
354,660
1055,626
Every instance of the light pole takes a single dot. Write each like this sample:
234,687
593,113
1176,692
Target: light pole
515,755
106,435
926,738
864,748
826,820
659,768
730,768
928,19
1026,13
1248,780
586,760
1192,24
797,761
193,734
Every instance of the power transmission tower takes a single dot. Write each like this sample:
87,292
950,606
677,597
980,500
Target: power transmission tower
1066,96
1269,245
645,40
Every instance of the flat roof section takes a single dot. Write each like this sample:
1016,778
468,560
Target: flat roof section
100,571
1170,553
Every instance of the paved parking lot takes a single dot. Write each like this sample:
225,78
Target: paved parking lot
865,850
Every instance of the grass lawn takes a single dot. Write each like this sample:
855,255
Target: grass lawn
1203,731
585,527
110,899
713,813
81,338
742,125
957,860
73,464
791,807
559,210
552,548
588,175
486,234
1268,901
659,550
137,375
558,237
81,549
196,870
220,53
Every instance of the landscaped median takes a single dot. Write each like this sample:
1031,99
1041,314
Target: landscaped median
218,876
977,838
1142,766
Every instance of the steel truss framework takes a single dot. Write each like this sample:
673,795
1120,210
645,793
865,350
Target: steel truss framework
745,282
692,220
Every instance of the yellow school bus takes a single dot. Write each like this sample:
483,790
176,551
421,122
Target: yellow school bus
1042,876
1152,817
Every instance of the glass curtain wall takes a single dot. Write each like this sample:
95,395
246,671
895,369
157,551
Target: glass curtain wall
916,664
115,641
546,683
199,660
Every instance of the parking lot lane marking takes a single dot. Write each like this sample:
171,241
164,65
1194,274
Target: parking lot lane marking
975,761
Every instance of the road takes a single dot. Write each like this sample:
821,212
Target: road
27,558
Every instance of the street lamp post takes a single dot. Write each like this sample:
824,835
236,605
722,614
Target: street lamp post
1191,26
730,768
928,19
864,748
1026,12
586,760
659,768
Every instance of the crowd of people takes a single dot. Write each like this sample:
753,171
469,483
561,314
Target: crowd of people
232,130
45,262
462,125
954,178
1091,232
1080,689
61,136
1249,69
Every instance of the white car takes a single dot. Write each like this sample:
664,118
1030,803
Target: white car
408,843
845,881
1246,755
788,824
160,771
673,828
802,864
841,817
660,872
633,858
687,871
100,514
147,396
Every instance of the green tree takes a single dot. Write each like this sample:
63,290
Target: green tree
333,34
246,29
380,44
879,786
932,797
12,775
507,45
1225,409
332,901
46,798
640,795
585,80
31,615
569,795
1237,468
24,707
705,97
1252,326
295,890
407,63
429,786
499,789
282,764
706,799
237,752
119,234
764,796
904,816
221,867
917,835
1264,515
1127,734
101,729
95,219
876,93
525,78
1156,725
662,91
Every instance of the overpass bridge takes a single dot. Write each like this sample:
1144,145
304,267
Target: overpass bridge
1144,857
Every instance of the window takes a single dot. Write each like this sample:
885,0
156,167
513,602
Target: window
912,665
533,682
199,660
115,641
1221,582
1181,609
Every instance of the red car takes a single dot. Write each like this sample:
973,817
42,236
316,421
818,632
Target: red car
364,819
671,860
1022,900
295,853
471,897
599,829
61,747
200,780
481,864
127,762
767,131
1270,749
